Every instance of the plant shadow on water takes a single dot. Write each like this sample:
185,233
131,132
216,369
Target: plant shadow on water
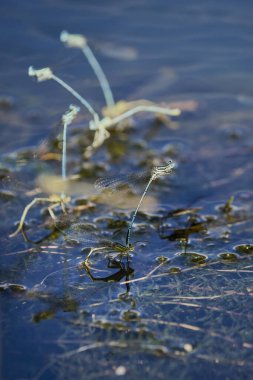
180,303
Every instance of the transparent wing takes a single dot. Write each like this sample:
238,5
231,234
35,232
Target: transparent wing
85,233
79,231
82,233
124,179
11,182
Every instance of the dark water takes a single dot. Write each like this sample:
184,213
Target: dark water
192,316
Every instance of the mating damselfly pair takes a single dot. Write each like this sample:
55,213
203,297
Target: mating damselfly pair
86,235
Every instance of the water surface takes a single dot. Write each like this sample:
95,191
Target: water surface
192,316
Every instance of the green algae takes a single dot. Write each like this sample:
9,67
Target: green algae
244,249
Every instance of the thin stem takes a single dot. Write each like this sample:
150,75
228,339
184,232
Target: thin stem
154,109
83,101
152,178
100,75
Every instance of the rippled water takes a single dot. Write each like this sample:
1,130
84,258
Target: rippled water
182,306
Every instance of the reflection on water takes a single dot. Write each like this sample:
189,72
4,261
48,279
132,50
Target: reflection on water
182,303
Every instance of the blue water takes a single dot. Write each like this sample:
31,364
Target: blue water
189,48
163,51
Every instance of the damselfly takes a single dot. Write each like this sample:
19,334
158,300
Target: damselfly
54,199
114,183
87,235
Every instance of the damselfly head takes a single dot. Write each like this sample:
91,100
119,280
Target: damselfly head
164,169
131,248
